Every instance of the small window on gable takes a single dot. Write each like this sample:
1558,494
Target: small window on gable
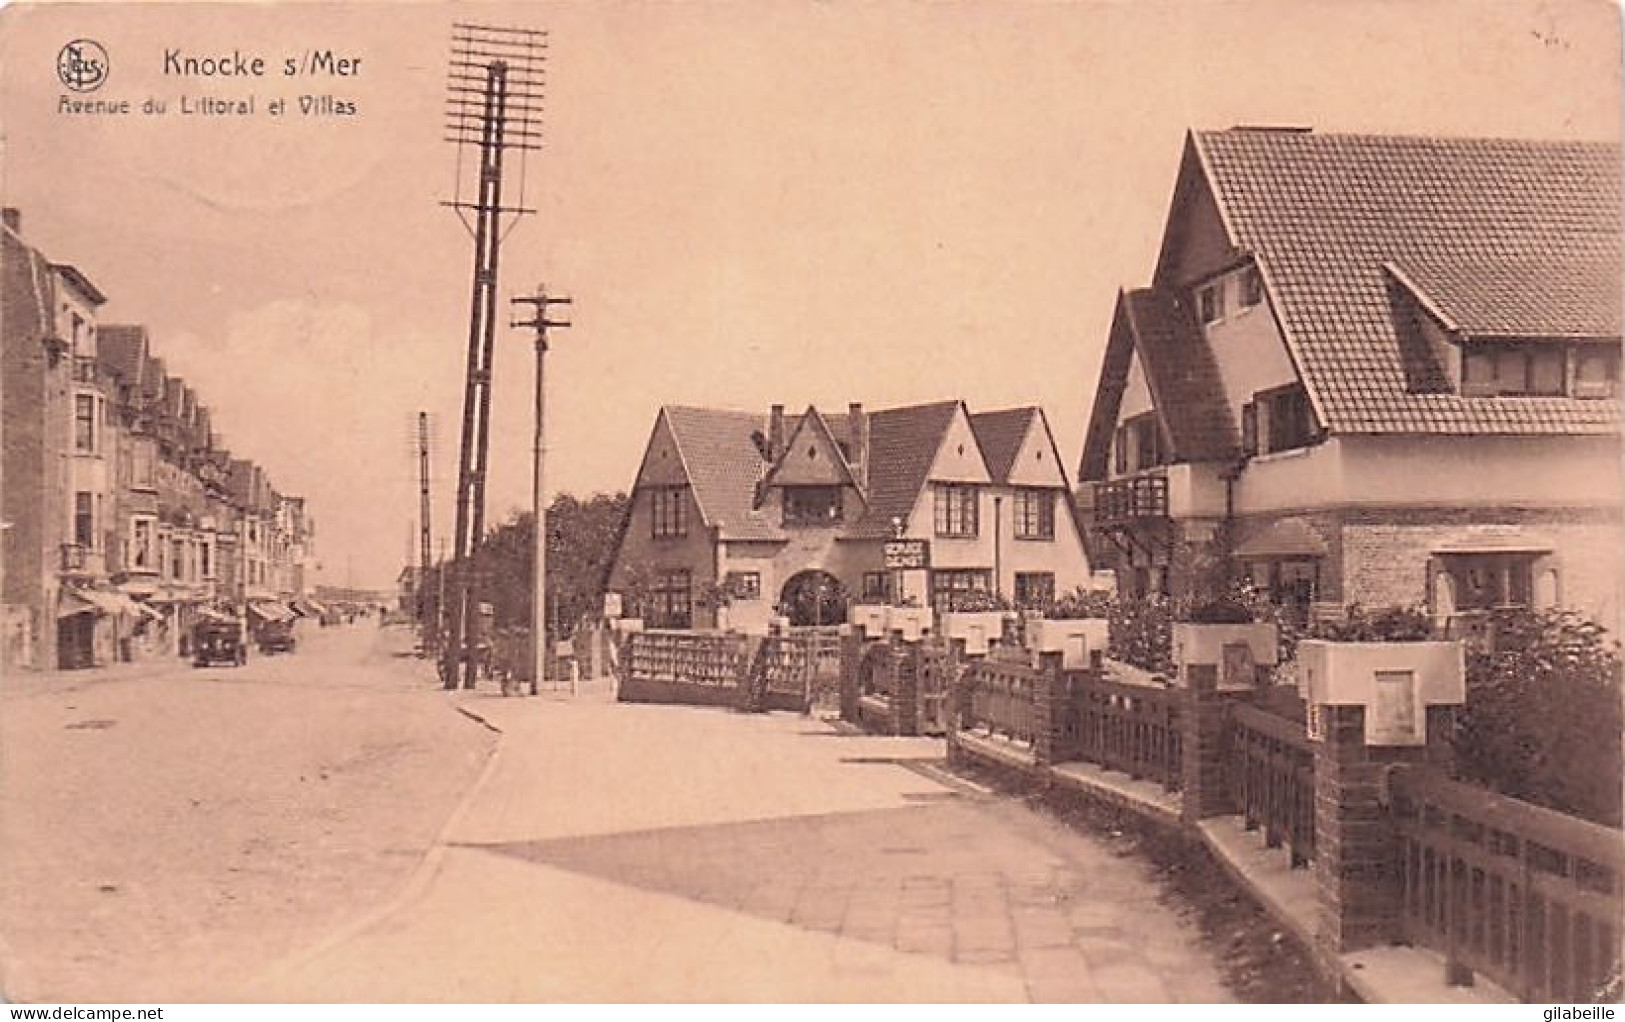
1252,287
1210,300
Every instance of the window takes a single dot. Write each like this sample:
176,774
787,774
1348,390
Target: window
1252,287
141,544
205,553
955,510
143,459
671,605
1034,512
1249,428
950,589
1596,371
84,423
1484,581
745,585
812,505
668,512
1289,582
1512,370
1139,444
84,519
1035,590
1210,300
177,559
877,587
1282,420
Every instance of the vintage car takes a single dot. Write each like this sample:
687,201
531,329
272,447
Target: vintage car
276,637
218,642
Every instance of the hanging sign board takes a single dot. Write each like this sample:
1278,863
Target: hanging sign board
907,554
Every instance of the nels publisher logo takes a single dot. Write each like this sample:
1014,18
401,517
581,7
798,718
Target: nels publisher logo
82,65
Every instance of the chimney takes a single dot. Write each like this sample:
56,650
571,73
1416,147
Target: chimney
857,427
775,432
13,218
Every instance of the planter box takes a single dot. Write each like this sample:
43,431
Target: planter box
1073,638
979,628
870,619
1395,681
1235,649
913,622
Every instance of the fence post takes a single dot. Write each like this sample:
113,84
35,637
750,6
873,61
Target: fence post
958,698
1357,869
906,690
1049,710
1205,746
851,663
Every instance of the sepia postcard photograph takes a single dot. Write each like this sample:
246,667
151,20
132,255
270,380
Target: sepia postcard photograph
811,501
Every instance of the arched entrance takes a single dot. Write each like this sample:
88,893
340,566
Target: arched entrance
813,598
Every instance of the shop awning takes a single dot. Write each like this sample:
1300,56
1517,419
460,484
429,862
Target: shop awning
156,615
271,611
210,614
308,607
1288,537
71,604
95,601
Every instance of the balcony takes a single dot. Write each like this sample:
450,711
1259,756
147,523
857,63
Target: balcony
1136,498
84,369
79,560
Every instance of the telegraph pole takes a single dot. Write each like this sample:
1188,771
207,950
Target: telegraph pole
424,531
539,304
493,104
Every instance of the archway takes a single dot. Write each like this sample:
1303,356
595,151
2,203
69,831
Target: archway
813,598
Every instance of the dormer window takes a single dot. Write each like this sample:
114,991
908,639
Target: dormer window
812,505
1596,371
1512,370
1252,287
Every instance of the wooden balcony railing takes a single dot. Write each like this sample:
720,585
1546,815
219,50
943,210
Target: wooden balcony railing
1136,497
694,657
1272,778
1529,897
1133,729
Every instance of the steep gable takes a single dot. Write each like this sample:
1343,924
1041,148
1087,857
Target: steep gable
811,457
958,458
903,443
1037,462
662,460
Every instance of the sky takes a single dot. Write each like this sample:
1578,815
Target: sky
750,203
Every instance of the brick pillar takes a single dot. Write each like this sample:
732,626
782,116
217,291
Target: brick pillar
958,699
1357,868
1204,746
1049,711
851,660
906,689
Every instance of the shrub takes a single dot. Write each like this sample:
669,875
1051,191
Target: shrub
1220,612
1081,603
978,600
1391,624
1141,633
1543,716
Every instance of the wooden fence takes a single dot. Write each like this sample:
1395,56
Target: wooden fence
1133,729
1001,698
1529,897
1272,777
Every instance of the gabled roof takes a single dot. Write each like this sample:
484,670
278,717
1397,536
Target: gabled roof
123,350
1181,372
1000,434
1322,214
839,472
902,444
723,465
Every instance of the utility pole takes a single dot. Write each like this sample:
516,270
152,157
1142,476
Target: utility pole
493,104
539,304
424,532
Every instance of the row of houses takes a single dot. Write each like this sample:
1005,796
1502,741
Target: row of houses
125,519
1368,369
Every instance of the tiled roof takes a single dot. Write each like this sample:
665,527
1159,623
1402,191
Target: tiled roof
1183,375
903,443
723,467
1323,214
122,349
1181,372
1573,296
999,435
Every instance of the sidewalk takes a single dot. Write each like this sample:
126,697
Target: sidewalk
653,853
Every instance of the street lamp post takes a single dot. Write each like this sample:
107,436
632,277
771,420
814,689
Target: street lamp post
539,302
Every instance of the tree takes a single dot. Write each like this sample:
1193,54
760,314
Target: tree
582,537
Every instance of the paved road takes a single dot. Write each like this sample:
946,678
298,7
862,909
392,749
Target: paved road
638,853
165,832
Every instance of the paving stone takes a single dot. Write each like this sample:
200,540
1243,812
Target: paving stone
984,956
1105,951
1129,983
1039,928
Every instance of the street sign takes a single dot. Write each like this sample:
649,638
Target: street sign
907,554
